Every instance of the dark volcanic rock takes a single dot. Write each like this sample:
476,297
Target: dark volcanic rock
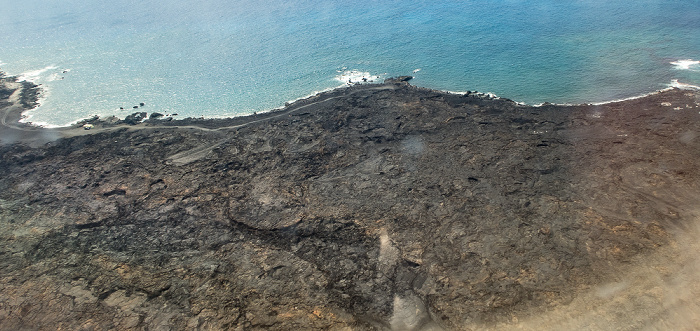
135,118
30,95
376,207
400,79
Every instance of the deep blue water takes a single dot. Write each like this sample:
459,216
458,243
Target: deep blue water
222,58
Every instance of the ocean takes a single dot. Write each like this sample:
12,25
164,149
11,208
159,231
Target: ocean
226,58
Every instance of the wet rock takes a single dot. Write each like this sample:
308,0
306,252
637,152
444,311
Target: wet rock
400,79
135,118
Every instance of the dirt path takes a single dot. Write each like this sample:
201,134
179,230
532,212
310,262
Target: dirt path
14,132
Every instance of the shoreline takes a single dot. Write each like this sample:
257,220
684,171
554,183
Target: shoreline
288,106
35,135
12,115
364,208
354,78
38,90
31,96
675,84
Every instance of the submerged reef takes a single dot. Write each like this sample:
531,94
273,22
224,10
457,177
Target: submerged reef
372,207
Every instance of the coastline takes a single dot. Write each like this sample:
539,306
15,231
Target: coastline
674,84
30,95
12,117
356,78
386,207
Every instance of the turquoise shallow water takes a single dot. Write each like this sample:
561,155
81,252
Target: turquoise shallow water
215,58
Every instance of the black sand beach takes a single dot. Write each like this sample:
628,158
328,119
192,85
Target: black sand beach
376,207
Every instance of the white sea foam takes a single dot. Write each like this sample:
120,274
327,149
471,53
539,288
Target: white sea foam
674,84
671,86
631,98
52,77
347,77
683,86
686,64
315,93
45,94
44,75
357,77
251,112
28,114
35,75
45,124
416,70
490,95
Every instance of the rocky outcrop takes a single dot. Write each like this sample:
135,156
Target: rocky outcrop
135,118
400,79
375,207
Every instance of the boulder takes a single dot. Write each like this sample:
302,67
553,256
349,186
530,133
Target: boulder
396,80
135,118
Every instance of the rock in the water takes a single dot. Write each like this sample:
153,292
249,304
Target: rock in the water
400,79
